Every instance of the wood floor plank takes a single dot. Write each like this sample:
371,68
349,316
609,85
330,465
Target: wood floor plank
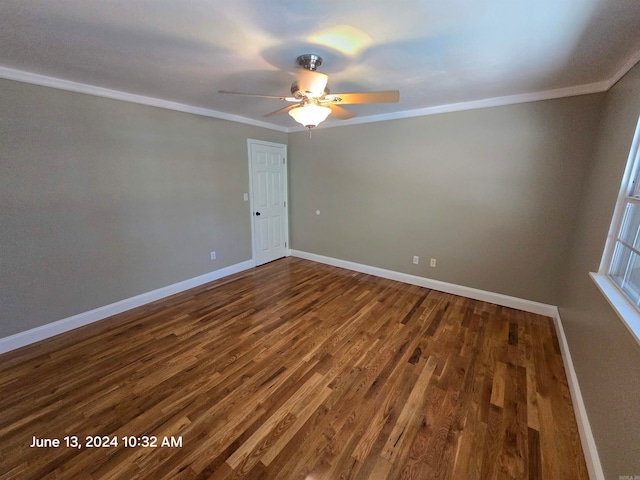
295,370
292,406
410,410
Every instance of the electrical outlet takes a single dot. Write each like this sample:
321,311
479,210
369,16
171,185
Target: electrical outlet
433,262
213,255
416,260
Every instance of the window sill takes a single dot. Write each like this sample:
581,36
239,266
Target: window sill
625,310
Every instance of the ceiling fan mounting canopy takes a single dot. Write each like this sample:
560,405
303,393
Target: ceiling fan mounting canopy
309,61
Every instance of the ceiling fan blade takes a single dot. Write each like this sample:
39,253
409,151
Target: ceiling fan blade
386,96
285,99
282,110
341,113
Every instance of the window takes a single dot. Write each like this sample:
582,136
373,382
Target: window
619,274
625,263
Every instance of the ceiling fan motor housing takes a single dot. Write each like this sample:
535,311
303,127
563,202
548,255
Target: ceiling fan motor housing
299,93
310,84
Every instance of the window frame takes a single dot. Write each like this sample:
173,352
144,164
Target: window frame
629,192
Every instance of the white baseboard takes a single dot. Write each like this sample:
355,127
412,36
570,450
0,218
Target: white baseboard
482,295
586,436
49,330
584,428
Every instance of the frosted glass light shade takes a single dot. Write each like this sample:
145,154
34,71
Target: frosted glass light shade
310,115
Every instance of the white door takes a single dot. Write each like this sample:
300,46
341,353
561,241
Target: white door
268,176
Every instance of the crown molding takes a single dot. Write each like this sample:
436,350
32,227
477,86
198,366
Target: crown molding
60,84
53,82
597,87
624,68
472,105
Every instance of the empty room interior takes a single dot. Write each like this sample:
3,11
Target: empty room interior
320,240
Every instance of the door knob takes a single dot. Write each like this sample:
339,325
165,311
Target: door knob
257,214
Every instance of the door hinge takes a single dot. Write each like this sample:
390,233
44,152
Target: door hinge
284,161
285,244
285,204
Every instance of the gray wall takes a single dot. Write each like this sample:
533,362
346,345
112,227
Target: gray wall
605,355
102,200
491,193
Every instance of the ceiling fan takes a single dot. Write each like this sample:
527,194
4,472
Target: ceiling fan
313,102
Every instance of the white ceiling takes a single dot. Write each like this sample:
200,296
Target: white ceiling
447,54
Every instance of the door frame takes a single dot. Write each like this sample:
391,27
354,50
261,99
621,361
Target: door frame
250,143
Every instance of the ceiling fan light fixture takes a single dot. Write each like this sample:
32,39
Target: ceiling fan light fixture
310,115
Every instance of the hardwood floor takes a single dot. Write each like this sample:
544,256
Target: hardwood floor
295,370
